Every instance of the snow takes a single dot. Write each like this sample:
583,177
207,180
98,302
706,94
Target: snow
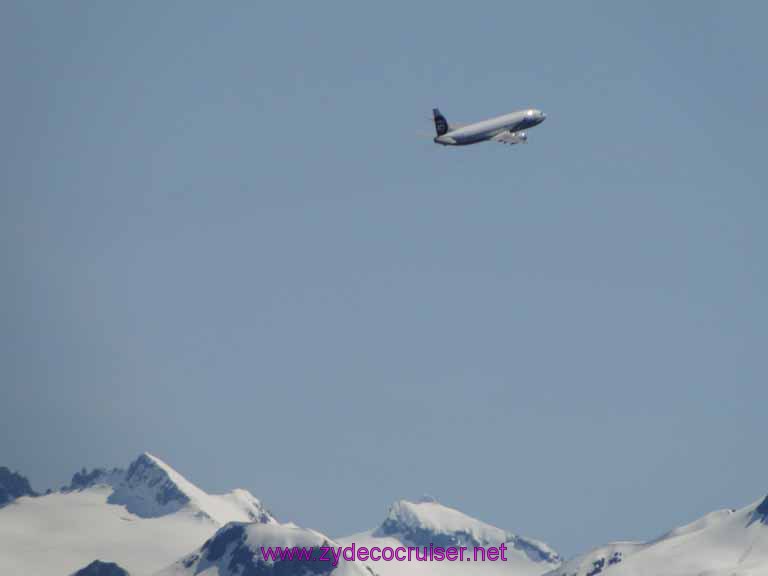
151,488
434,517
418,523
152,521
405,520
722,543
117,519
60,533
429,517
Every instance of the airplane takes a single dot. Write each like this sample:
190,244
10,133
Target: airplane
506,129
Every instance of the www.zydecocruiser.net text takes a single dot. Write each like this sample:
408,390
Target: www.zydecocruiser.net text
351,553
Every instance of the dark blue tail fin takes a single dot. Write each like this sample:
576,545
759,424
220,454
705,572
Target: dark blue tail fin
441,124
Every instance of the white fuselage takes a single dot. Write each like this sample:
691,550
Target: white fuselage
514,122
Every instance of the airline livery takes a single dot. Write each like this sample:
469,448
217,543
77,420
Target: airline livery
507,129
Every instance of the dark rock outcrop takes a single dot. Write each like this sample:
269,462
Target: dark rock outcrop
243,560
99,568
13,485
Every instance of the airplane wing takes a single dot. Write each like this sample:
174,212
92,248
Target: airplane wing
510,137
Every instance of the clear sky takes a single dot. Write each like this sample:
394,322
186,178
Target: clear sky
225,242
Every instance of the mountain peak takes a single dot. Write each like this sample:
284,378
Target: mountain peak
101,476
99,568
428,522
146,461
151,488
422,521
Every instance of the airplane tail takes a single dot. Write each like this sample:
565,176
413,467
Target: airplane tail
441,124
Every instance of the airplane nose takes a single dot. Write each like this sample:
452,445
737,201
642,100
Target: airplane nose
543,116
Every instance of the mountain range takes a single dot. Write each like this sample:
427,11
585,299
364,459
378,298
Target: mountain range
148,520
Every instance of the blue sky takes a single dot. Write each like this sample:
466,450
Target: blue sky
225,242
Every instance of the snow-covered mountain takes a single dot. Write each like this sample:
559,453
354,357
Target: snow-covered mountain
235,550
722,543
142,518
428,522
148,520
149,488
